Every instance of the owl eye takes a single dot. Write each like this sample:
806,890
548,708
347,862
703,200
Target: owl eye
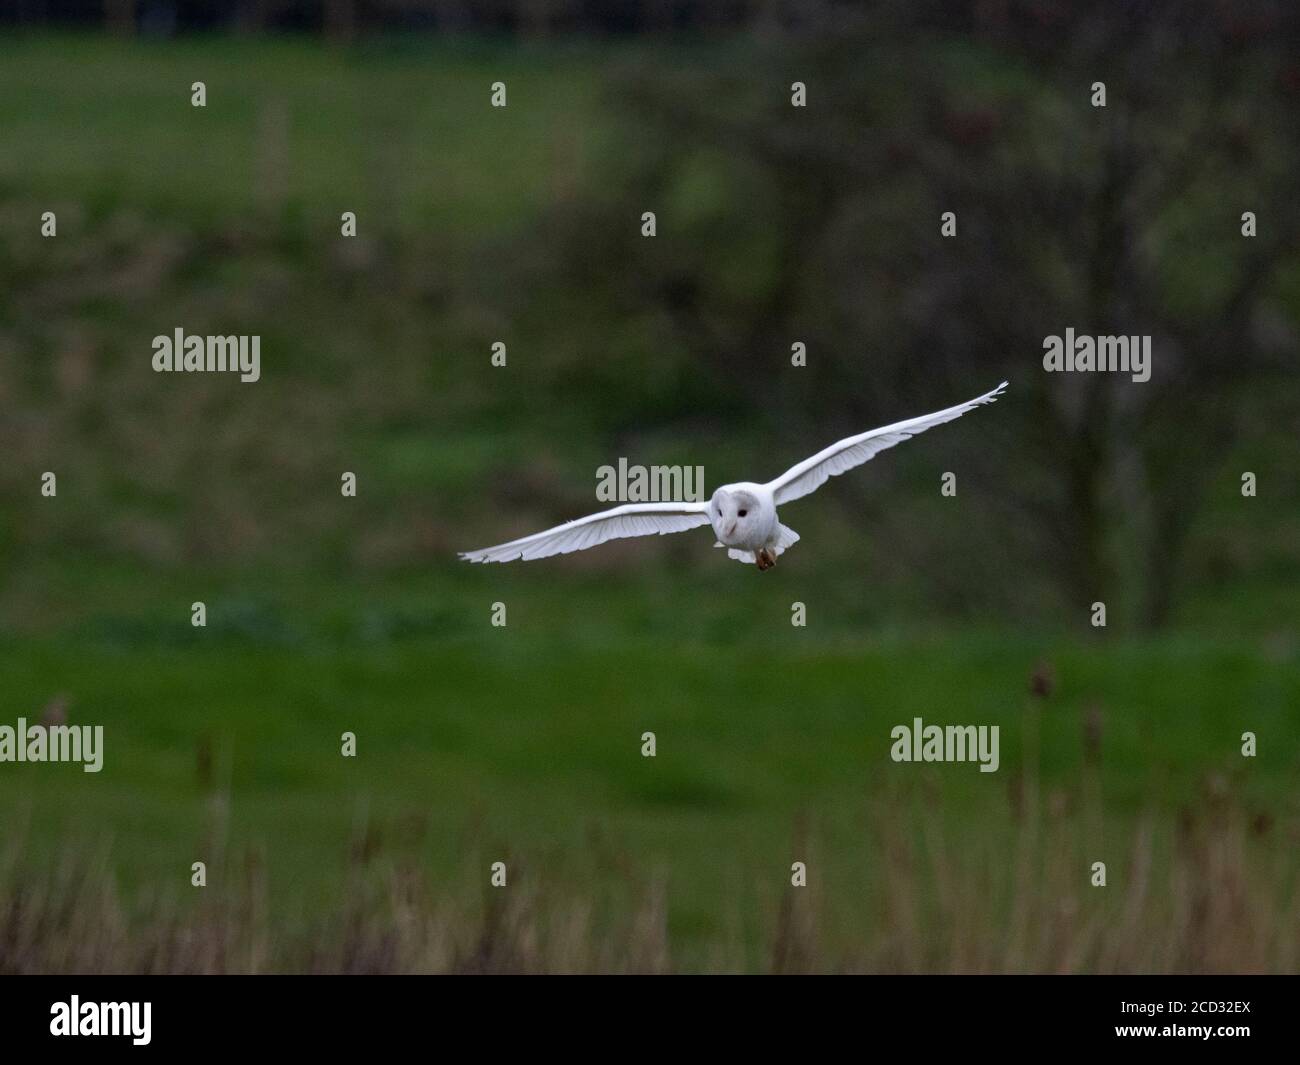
743,513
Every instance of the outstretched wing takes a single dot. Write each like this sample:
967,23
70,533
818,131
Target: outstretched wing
631,519
811,474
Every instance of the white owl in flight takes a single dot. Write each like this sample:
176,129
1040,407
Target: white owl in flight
743,515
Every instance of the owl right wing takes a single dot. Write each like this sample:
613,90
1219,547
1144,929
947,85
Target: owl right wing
631,519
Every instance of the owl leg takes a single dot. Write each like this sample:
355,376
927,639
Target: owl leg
766,559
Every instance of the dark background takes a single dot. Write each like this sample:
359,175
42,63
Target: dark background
775,225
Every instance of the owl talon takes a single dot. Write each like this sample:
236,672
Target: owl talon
765,559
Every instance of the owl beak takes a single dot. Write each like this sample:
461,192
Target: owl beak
731,529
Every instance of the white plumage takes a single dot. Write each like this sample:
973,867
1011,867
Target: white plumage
743,515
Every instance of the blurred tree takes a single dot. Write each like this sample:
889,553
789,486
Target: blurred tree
822,223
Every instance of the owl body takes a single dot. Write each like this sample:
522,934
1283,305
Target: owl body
744,520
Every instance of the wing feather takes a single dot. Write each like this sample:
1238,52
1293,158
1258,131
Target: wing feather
631,519
811,474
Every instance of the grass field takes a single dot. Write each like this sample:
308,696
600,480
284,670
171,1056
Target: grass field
381,129
523,743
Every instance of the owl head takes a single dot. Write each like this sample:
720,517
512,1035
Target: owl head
734,514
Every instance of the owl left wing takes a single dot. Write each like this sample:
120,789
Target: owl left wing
631,519
811,474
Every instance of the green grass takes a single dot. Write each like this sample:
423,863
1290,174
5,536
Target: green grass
381,131
523,743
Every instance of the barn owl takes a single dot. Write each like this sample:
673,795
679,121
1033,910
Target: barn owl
743,515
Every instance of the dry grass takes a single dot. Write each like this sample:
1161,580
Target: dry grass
1212,889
